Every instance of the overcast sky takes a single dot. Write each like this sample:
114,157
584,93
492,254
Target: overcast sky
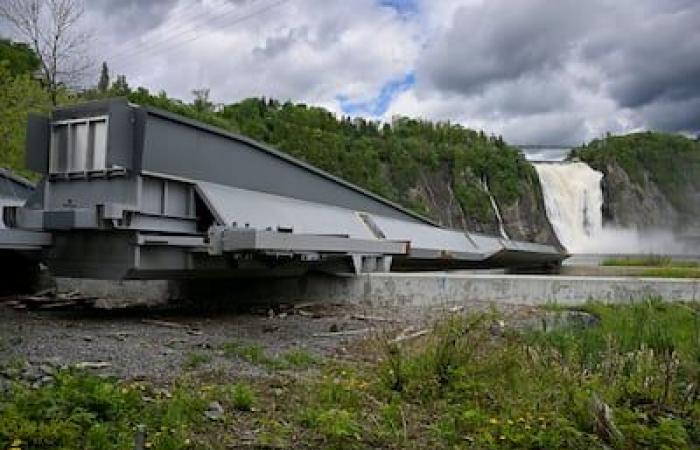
535,71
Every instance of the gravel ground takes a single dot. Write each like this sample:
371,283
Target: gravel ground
157,345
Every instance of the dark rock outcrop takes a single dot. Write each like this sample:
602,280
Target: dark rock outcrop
524,218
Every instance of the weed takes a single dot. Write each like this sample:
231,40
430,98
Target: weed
253,353
299,358
194,360
242,397
336,424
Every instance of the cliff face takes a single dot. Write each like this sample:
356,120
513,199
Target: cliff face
631,205
651,180
460,201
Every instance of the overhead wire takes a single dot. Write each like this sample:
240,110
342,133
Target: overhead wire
168,33
170,45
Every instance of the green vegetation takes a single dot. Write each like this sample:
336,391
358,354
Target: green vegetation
633,381
670,161
255,354
196,359
242,397
20,95
19,58
658,266
672,272
648,261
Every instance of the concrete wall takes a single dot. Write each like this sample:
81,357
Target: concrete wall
398,290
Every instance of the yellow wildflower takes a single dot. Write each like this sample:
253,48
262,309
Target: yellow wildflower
493,421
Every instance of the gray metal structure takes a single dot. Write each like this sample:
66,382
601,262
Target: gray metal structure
136,192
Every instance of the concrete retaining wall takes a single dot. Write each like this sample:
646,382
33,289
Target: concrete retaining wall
396,289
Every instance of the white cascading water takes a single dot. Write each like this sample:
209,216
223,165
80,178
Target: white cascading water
496,210
573,198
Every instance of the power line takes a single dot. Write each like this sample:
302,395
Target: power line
236,21
168,33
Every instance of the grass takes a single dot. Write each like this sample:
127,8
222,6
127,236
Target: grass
648,261
255,354
462,386
672,272
242,397
194,360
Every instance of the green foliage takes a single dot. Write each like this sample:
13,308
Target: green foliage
196,359
242,397
672,272
252,353
299,358
20,95
670,161
80,410
20,59
646,261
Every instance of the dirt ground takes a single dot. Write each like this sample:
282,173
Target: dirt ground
157,345
154,345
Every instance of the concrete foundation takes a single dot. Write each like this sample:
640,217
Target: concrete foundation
394,290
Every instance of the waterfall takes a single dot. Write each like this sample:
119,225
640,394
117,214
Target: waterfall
494,205
573,199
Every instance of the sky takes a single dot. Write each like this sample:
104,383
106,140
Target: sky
535,71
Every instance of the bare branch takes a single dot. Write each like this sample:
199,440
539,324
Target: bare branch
51,27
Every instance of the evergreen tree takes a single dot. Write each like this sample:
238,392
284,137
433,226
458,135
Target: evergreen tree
103,83
120,88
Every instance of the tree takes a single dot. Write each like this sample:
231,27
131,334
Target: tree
120,88
103,83
201,100
21,59
51,28
19,95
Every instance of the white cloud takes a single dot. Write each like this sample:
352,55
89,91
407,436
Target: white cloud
534,71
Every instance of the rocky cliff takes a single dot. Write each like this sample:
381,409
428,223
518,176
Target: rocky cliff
651,180
460,200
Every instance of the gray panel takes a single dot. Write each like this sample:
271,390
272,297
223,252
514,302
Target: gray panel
37,144
196,153
426,237
177,199
261,211
151,195
92,254
84,193
120,134
162,258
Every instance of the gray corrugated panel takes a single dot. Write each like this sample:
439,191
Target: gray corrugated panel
262,211
426,237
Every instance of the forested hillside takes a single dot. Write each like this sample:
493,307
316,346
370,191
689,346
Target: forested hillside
441,170
651,179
